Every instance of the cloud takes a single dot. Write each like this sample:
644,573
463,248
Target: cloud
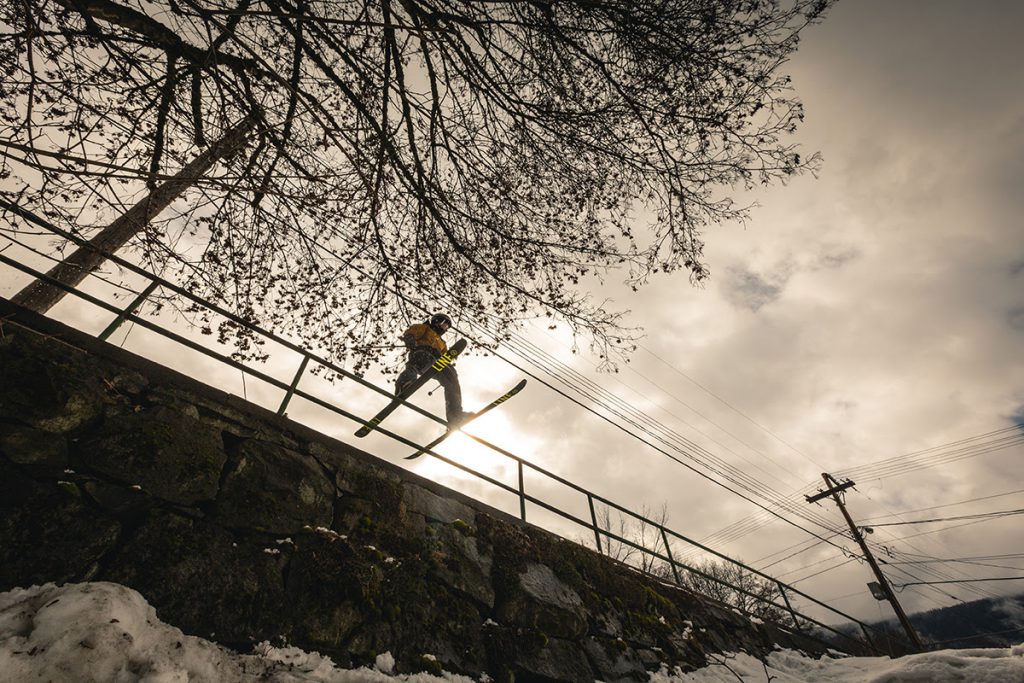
836,257
1014,611
1016,318
746,289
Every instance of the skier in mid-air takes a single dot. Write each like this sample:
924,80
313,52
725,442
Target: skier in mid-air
423,340
430,358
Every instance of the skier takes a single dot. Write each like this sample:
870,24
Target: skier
425,346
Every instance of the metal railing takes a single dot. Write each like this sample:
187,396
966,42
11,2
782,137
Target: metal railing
292,389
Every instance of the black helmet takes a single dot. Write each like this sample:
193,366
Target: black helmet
439,319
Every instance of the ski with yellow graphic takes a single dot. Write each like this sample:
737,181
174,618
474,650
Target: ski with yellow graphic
443,361
455,427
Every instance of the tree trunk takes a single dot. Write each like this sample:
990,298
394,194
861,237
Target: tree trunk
41,296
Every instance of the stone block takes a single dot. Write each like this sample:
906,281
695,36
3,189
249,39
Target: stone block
545,603
47,533
34,448
614,661
114,499
170,455
518,654
436,508
203,579
650,659
462,567
274,489
129,383
46,389
608,624
416,616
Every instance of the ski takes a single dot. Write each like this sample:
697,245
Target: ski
445,359
493,404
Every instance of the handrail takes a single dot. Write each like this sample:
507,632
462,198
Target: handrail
292,389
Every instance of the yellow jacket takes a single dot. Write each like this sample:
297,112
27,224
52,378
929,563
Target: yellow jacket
422,334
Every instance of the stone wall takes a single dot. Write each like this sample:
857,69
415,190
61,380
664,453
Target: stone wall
241,526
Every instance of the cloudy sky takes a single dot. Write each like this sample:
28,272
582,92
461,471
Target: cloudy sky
869,313
873,312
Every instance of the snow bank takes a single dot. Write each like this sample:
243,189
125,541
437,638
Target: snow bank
786,666
107,633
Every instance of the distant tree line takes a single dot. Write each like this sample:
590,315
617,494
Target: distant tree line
718,580
985,623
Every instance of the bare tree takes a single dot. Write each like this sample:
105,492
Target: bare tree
735,586
485,157
636,540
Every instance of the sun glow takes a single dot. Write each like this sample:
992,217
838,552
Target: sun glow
495,428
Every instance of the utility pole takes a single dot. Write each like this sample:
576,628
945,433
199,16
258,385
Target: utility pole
835,489
40,296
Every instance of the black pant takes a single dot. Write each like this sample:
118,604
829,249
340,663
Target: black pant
420,360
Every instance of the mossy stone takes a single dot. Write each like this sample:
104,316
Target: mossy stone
38,450
203,579
170,455
275,489
47,533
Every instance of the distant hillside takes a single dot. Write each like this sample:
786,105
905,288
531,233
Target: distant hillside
993,622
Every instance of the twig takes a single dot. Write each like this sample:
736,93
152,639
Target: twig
731,670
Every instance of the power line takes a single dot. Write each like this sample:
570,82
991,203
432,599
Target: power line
631,367
941,561
946,573
945,505
969,447
980,515
654,425
532,358
934,583
751,523
823,571
978,636
937,572
941,573
812,544
976,557
757,520
754,487
734,409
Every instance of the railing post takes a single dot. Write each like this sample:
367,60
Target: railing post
295,383
792,612
522,493
593,520
123,315
671,560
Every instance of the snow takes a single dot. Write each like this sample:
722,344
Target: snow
385,662
105,632
329,533
787,666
